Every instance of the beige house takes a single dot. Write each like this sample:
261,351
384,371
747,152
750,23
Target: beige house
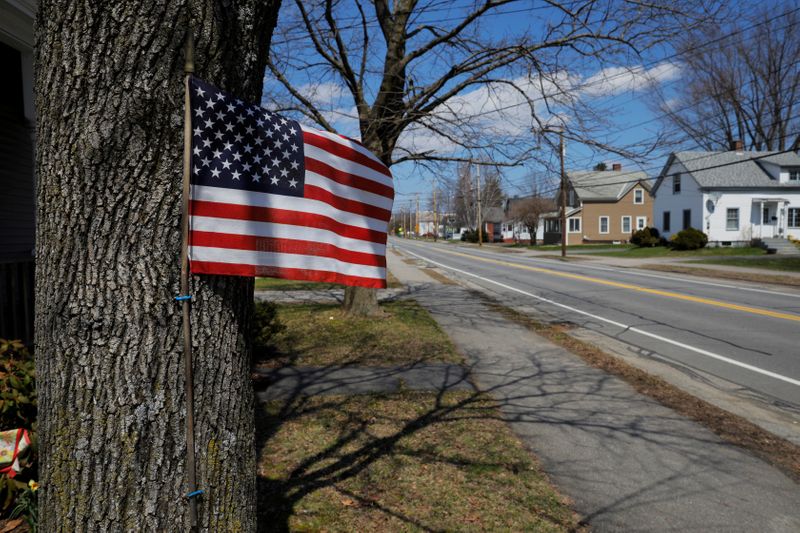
603,206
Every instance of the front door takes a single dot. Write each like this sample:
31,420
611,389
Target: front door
769,220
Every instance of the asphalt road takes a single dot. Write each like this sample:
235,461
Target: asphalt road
743,333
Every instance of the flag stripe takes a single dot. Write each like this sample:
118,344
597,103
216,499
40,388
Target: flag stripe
345,165
355,144
283,216
278,230
318,180
313,192
349,151
289,203
284,246
345,178
207,267
312,262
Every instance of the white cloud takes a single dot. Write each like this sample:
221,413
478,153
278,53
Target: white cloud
322,94
616,80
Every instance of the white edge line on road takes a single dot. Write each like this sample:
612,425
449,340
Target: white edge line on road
621,325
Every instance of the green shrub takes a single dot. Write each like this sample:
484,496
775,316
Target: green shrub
689,239
646,237
470,235
18,410
265,326
18,386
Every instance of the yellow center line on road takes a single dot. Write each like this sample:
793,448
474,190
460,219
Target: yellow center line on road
637,288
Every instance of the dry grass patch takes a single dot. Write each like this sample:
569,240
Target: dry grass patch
730,427
279,284
402,462
321,335
726,274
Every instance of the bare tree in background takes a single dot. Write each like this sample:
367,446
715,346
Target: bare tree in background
528,212
406,65
744,87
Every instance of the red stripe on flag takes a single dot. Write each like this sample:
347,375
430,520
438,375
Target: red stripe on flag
282,216
344,152
312,192
285,246
345,178
230,269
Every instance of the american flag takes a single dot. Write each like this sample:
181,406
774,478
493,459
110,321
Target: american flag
272,198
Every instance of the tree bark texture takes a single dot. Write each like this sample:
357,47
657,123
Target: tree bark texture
109,97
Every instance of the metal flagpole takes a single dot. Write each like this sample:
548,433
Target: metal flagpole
184,297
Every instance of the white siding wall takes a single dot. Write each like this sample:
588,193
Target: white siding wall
520,232
749,215
690,197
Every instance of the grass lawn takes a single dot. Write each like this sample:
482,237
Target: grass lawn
319,335
401,462
552,247
771,262
664,251
278,284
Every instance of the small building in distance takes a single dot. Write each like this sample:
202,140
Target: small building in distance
603,206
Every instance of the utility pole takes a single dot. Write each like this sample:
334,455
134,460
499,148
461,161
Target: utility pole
561,151
416,219
480,220
435,218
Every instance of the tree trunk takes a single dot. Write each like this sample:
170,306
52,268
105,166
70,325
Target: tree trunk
109,97
361,301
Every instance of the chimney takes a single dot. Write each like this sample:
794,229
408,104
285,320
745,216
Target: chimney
737,146
616,167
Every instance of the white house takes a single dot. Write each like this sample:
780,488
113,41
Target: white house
732,196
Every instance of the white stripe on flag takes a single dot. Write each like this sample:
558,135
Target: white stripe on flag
289,203
284,231
345,165
349,143
344,191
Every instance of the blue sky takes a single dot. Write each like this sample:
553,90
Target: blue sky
620,91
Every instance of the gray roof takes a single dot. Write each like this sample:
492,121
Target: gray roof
493,214
733,169
605,184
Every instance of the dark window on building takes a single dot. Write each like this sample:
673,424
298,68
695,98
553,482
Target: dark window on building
687,218
676,184
11,99
665,221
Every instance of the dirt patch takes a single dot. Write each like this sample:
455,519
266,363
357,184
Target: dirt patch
730,427
438,276
726,274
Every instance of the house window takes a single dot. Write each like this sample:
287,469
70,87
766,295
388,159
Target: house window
638,196
626,225
603,224
732,219
794,217
765,218
794,174
641,222
574,225
687,218
665,221
676,184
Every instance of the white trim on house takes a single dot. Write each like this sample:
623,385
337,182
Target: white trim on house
622,224
640,194
570,225
641,223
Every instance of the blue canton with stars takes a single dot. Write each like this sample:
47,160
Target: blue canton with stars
238,145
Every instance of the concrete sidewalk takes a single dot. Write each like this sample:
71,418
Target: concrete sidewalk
628,463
